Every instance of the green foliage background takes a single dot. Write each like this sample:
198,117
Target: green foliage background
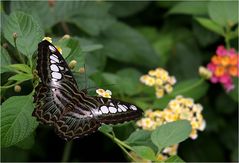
118,42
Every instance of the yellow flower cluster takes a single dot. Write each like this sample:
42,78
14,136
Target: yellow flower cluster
160,79
103,93
179,108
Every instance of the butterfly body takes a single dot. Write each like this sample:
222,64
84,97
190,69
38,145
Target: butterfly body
71,111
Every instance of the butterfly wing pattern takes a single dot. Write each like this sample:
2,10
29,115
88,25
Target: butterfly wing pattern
72,112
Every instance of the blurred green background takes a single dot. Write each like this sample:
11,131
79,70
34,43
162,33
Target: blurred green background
120,41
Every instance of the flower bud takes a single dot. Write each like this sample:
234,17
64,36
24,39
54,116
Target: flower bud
14,35
51,3
72,64
81,70
17,88
205,73
66,36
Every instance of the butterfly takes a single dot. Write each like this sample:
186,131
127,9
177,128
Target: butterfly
72,112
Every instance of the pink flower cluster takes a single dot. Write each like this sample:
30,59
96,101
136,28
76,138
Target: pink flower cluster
224,66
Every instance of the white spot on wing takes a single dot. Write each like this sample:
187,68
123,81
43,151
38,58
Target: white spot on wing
122,108
61,68
112,109
52,48
56,75
54,55
104,109
119,110
111,104
54,59
54,68
133,107
98,112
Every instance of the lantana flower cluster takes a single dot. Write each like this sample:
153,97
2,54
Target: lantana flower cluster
104,93
160,79
224,66
179,108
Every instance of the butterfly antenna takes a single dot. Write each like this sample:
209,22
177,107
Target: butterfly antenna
86,84
102,86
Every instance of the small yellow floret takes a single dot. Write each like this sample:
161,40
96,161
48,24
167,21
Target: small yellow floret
49,39
103,93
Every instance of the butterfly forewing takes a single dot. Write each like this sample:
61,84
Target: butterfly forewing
57,85
73,113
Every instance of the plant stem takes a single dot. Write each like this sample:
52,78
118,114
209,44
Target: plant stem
227,37
128,154
118,141
18,54
65,27
121,144
9,86
67,150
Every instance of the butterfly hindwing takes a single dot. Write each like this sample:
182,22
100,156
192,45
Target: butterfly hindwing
72,112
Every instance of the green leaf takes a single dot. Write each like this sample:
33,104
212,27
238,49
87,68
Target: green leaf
90,48
75,51
28,31
21,67
234,93
127,8
95,62
140,138
174,158
144,152
186,56
105,78
32,8
88,45
189,7
171,133
17,122
21,77
27,143
80,13
125,44
211,25
5,60
194,88
129,81
224,13
204,36
105,128
77,12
